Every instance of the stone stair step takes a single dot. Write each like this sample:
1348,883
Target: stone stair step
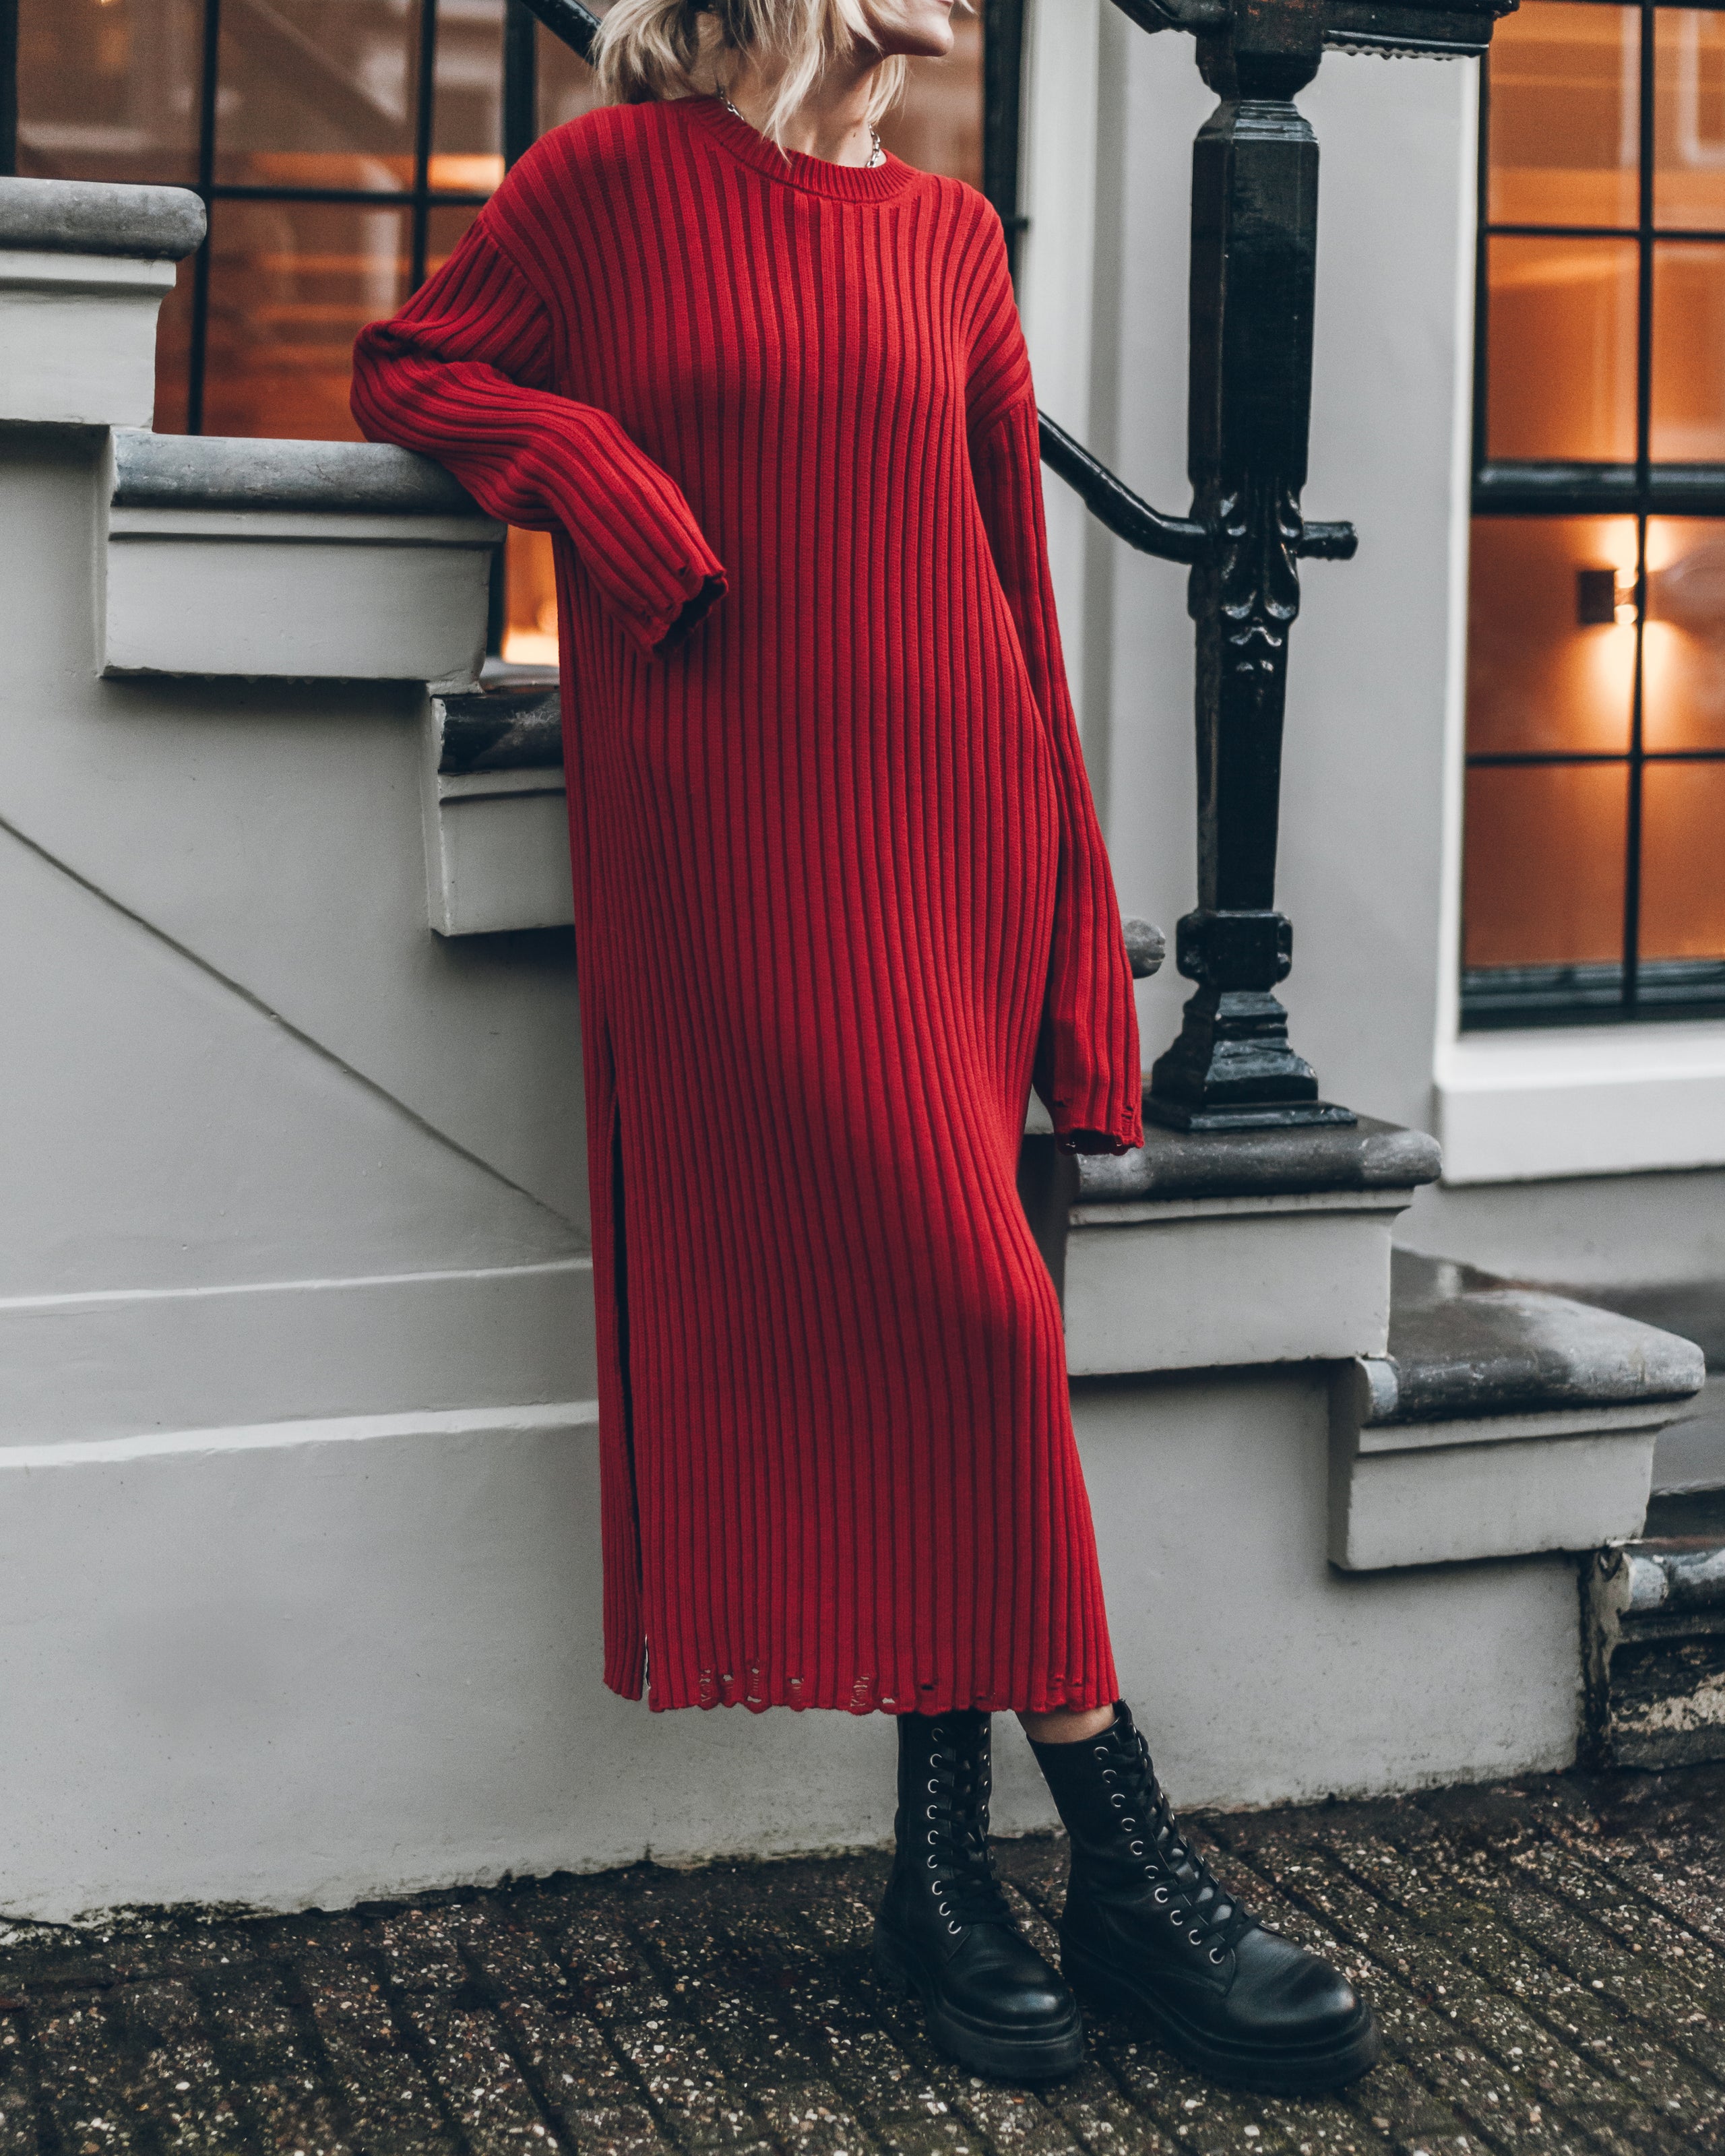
1655,1620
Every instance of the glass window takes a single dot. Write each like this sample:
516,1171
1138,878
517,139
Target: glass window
1550,666
1562,125
109,92
1562,315
1593,883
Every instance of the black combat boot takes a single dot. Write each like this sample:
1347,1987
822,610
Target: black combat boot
1149,1930
944,1928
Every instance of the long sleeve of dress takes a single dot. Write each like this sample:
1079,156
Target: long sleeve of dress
1088,1058
461,374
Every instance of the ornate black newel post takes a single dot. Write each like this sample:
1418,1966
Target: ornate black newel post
1254,264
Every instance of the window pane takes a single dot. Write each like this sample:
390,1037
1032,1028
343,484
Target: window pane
1543,879
1687,425
467,117
1543,675
1565,82
317,93
107,89
1683,860
1561,349
529,600
292,285
1683,656
1688,118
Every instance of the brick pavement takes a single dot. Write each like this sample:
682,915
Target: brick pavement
1549,1959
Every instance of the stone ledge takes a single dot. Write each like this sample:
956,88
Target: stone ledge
1365,1156
286,560
218,472
501,730
1500,1422
95,217
496,813
1654,1642
1464,1344
1676,1575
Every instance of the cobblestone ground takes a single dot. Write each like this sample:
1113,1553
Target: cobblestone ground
1549,1959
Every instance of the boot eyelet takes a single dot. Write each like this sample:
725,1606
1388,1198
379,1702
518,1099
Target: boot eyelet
1218,1956
1118,1796
1162,1893
934,1789
1176,1916
1195,1938
944,1910
955,1929
1138,1849
932,1835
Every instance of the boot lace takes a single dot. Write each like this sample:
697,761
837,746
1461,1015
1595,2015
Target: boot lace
1188,1892
957,1859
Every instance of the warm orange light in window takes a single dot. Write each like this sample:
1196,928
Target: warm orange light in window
530,609
472,175
1542,674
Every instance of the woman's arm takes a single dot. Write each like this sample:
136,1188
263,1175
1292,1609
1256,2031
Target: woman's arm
460,374
1088,1058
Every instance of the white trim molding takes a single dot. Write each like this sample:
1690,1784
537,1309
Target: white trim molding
1525,1107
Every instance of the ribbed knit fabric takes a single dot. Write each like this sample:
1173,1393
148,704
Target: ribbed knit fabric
839,888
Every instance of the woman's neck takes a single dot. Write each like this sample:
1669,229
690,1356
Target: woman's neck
831,122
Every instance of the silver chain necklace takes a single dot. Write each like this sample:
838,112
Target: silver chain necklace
877,155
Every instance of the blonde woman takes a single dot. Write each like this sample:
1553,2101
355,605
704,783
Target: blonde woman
841,897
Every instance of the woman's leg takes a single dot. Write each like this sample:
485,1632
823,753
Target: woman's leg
1065,1728
1148,1929
947,1931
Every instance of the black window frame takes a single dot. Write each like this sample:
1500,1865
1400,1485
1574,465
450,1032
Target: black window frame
1631,989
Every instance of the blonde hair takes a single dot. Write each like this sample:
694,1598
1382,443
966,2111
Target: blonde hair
653,49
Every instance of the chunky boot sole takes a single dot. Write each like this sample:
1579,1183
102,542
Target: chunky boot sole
974,2044
1271,2071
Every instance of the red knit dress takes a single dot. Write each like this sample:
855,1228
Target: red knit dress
839,887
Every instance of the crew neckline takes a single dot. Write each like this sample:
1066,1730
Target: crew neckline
795,168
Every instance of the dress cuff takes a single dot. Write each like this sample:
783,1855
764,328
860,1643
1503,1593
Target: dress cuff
691,592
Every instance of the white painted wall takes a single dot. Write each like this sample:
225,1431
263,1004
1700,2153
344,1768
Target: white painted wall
271,832
316,1663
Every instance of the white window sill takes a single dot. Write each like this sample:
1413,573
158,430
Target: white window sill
1521,1108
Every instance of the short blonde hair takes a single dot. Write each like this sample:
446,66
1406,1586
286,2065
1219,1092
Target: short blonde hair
654,49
